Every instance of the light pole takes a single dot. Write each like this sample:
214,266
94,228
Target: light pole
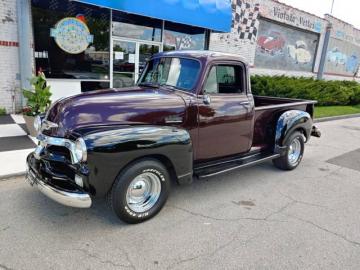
332,6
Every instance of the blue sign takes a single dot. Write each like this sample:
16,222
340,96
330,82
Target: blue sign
210,14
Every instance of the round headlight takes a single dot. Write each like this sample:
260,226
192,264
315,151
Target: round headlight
80,149
37,123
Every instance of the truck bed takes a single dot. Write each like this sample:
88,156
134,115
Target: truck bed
268,110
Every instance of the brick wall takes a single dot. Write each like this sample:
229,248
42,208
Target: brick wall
9,55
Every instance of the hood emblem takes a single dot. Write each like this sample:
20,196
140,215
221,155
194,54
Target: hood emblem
46,125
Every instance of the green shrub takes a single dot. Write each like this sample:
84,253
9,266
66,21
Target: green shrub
37,98
325,92
2,111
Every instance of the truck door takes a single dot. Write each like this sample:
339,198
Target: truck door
226,112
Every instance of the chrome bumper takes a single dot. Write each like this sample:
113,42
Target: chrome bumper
315,132
72,199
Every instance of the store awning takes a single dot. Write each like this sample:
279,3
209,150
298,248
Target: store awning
210,14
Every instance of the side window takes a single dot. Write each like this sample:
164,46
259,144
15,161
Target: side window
224,79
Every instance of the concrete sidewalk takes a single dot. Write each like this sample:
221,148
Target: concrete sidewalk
15,145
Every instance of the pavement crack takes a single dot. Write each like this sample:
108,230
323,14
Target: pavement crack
355,243
232,239
214,218
5,228
4,267
301,202
266,218
99,259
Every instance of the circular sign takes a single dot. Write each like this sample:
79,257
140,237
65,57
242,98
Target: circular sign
72,35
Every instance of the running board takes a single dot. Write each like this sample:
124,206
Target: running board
222,167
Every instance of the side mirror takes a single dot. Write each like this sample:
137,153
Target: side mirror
206,99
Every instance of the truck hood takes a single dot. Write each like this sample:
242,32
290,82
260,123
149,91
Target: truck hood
135,105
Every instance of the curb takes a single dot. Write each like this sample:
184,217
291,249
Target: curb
11,175
339,117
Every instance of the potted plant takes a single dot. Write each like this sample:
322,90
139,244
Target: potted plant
38,100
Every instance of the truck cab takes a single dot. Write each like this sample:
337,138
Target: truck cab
191,114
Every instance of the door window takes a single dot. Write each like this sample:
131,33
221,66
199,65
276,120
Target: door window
224,79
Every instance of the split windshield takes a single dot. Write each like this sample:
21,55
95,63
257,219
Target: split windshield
181,73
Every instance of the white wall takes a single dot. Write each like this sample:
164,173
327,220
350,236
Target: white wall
63,88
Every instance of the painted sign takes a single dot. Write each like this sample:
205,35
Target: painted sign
284,48
211,14
72,35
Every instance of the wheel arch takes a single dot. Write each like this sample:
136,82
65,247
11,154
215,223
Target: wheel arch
288,123
111,151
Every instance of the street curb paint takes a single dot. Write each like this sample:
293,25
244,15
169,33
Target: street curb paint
339,117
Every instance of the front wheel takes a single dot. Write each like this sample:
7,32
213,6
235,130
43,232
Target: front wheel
295,146
140,191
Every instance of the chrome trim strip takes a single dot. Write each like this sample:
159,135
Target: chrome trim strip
46,140
241,166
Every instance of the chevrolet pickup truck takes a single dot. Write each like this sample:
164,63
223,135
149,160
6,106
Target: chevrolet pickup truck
191,114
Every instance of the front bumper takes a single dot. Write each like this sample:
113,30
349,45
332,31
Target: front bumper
315,132
68,194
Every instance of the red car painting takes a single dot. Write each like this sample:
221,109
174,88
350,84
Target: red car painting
272,43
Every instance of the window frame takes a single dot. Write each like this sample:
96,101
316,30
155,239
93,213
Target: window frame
230,63
196,83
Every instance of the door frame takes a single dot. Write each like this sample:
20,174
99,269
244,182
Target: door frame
137,42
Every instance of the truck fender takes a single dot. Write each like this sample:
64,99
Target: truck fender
287,123
111,150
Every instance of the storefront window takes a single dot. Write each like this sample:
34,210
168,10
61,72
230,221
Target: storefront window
181,37
71,39
136,27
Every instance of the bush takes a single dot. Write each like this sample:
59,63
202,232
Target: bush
2,111
38,98
327,93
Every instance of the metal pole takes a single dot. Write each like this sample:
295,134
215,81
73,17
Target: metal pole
24,28
332,6
324,52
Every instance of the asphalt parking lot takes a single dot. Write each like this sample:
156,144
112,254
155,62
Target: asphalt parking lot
256,218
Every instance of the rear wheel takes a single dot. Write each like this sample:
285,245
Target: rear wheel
295,146
140,191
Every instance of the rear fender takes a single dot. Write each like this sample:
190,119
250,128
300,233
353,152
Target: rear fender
287,123
110,151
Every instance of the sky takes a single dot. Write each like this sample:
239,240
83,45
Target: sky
346,10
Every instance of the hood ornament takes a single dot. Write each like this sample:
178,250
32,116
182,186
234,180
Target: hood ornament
46,125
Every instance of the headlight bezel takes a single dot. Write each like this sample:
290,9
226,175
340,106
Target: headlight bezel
80,150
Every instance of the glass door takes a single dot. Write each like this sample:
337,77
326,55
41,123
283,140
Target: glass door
129,60
124,56
145,53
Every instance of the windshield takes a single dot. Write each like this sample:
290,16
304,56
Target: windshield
181,73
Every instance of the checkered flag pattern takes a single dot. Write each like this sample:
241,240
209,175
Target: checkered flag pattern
185,42
245,21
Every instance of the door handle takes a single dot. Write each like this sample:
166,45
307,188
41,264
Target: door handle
245,103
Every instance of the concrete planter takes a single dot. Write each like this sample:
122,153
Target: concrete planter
29,121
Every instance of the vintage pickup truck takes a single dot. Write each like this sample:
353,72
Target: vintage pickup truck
191,114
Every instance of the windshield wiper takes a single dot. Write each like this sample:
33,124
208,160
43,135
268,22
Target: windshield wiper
149,84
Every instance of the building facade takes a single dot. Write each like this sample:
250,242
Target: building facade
91,44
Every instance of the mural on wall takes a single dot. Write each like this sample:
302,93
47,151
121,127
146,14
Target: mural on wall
342,58
284,48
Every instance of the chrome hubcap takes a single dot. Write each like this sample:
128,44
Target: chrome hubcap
294,151
143,192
